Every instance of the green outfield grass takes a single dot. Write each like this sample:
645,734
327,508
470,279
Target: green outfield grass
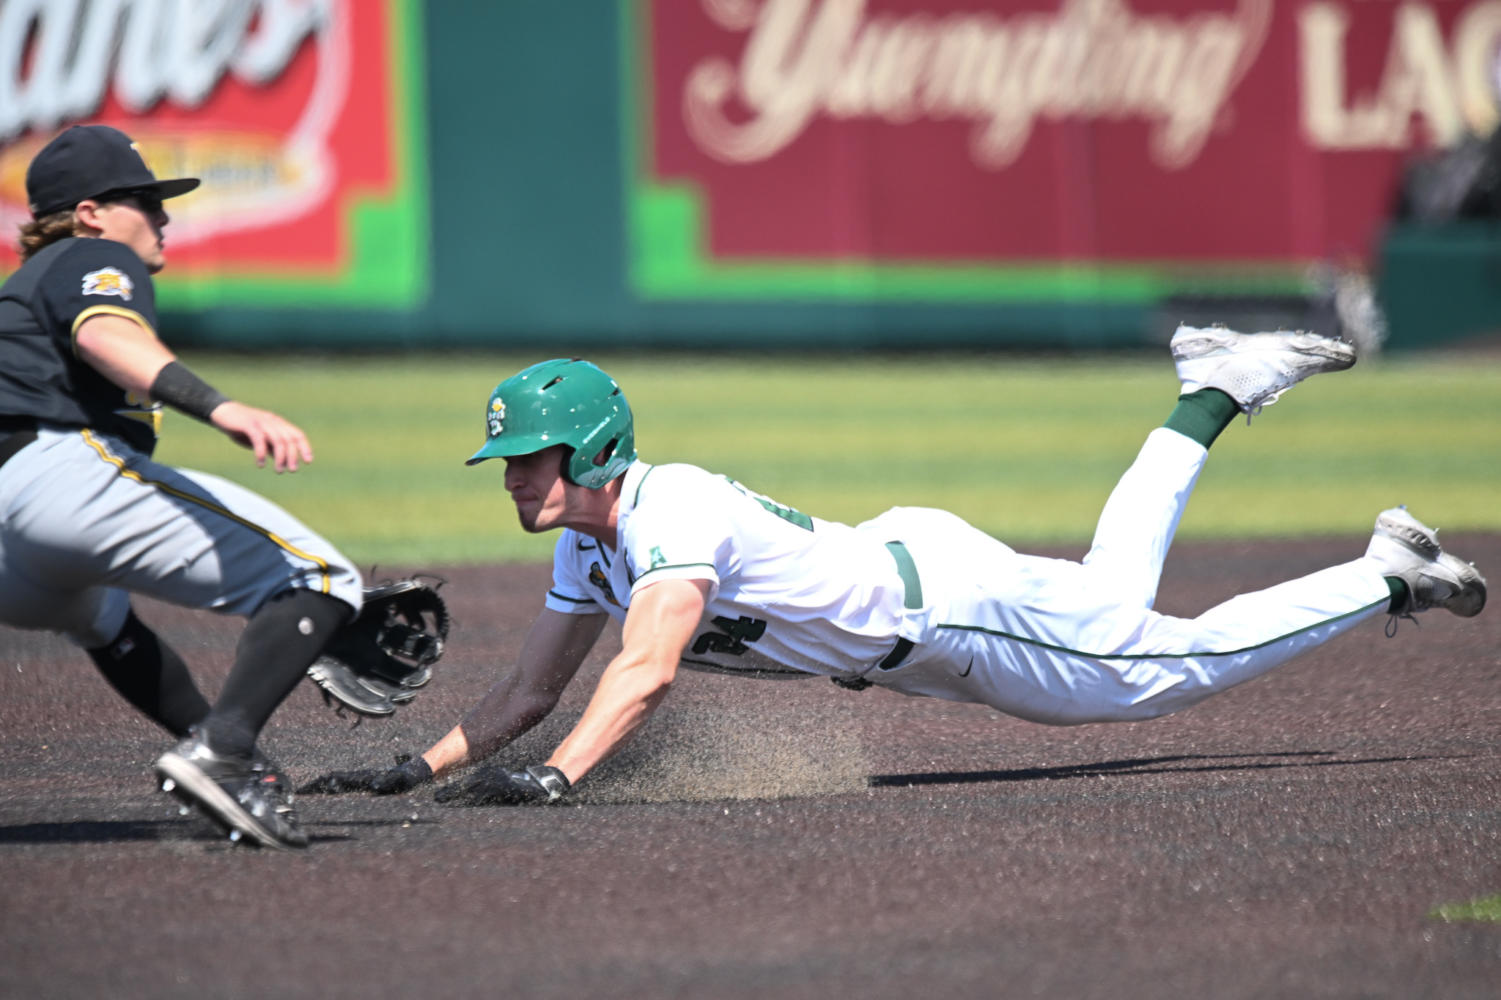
1485,909
1027,449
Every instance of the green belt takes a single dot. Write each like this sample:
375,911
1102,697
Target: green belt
912,586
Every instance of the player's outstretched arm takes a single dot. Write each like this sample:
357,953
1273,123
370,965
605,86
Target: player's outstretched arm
659,625
554,649
131,356
661,621
124,351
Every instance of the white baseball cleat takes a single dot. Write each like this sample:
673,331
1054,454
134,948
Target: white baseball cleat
1254,369
1405,547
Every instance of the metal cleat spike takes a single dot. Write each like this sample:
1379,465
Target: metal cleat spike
168,785
234,836
183,809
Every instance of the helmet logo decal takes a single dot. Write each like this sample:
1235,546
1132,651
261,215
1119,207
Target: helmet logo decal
561,402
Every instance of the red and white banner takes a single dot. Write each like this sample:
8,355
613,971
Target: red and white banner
287,109
1111,131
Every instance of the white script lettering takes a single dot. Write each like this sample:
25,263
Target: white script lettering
1092,59
56,55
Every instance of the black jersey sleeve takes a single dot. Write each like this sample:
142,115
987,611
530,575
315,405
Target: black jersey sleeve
93,277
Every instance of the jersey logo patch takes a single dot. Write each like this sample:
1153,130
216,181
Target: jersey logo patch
108,281
598,578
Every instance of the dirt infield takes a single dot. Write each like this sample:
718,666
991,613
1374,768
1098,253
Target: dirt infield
791,839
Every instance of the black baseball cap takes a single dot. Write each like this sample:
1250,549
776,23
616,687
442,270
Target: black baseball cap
88,161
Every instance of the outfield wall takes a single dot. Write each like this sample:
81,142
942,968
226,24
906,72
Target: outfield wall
763,173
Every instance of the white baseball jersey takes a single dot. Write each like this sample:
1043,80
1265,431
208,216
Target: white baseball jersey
950,612
789,594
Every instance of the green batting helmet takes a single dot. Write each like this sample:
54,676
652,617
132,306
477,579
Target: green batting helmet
563,401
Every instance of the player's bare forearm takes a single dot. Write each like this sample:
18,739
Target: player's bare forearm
448,753
131,356
505,713
626,697
501,716
124,351
555,647
660,623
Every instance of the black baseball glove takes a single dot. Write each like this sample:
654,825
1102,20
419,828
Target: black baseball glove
378,661
408,773
499,786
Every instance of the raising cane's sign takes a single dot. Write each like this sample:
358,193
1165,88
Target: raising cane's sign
291,111
982,149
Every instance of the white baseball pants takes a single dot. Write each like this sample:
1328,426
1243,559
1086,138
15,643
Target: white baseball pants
1063,642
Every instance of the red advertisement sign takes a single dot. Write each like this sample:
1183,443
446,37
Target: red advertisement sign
800,144
295,113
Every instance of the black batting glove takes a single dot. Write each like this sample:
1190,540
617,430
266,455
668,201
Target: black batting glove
405,776
498,786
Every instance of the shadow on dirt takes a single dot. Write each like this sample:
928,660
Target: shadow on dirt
1196,764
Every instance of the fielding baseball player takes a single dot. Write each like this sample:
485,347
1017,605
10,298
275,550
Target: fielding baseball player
86,516
708,574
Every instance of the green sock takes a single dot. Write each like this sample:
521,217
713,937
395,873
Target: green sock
1400,594
1200,416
